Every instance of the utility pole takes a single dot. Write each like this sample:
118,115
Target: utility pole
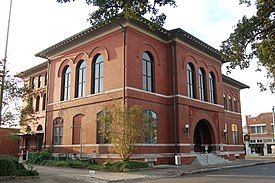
273,120
3,65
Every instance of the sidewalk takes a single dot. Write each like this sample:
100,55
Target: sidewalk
164,171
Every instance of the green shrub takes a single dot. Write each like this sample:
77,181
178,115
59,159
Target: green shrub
94,167
77,164
39,157
28,173
135,165
66,163
119,166
9,166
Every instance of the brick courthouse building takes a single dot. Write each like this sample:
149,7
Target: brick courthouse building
172,74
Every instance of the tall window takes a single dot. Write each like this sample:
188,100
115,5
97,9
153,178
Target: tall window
45,79
202,92
191,80
230,107
39,81
66,83
33,83
226,133
147,72
235,134
150,127
37,103
224,101
80,79
98,67
58,131
31,104
212,88
44,102
235,104
100,138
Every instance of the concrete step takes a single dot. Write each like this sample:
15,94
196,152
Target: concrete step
209,159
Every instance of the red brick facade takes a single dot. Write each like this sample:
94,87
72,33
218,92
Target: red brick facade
8,141
184,124
260,130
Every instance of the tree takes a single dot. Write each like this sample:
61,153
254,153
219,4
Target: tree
254,38
12,111
124,127
131,8
12,94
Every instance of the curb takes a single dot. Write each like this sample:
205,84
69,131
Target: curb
6,178
224,168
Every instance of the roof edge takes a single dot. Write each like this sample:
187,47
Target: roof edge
233,82
29,71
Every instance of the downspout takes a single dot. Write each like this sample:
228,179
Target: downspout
123,30
174,96
47,100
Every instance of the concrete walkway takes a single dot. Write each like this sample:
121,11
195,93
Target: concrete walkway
72,175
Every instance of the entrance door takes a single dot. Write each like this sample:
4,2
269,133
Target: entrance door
203,136
39,141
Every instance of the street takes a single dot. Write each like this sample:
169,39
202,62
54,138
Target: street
254,174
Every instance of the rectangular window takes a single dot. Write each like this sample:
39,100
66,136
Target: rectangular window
235,138
258,129
45,79
33,83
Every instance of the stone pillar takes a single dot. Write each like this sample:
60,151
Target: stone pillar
265,149
247,149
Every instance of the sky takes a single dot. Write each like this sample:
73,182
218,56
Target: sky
38,24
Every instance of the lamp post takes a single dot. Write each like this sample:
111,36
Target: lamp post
3,71
80,138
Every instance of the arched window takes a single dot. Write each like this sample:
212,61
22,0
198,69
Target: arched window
235,105
98,68
66,83
103,127
39,128
37,103
77,129
226,133
212,88
150,127
147,72
191,80
44,102
80,79
225,101
230,107
58,131
202,91
235,138
28,129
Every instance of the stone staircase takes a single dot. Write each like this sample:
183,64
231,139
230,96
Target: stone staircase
208,159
